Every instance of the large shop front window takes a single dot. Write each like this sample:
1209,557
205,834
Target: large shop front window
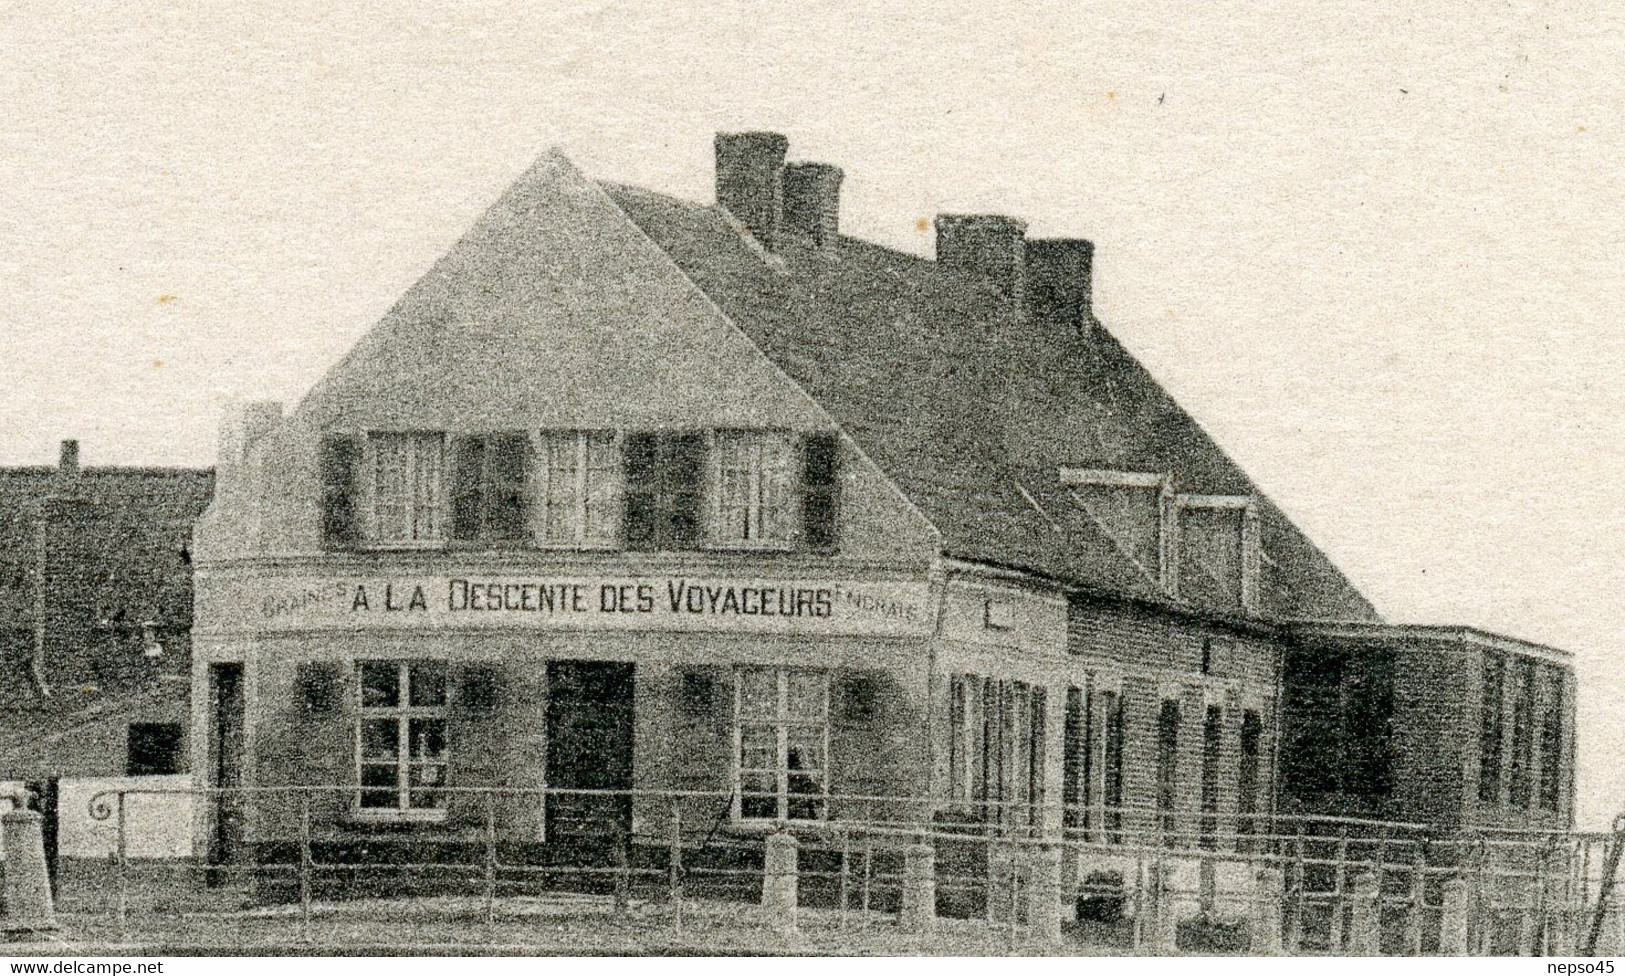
783,735
407,503
401,738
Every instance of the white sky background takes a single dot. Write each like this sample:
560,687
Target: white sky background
1374,248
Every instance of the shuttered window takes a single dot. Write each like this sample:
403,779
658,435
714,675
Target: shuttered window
753,503
408,503
665,489
491,493
579,489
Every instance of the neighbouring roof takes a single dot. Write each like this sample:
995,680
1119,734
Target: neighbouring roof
972,411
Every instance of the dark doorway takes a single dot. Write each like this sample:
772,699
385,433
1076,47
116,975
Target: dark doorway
589,747
225,768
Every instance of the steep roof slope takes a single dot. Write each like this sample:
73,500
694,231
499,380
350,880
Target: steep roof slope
973,410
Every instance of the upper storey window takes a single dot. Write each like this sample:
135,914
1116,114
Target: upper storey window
755,501
1135,509
406,487
582,489
1218,562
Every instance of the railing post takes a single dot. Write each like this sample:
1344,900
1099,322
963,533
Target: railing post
123,843
780,880
1453,926
490,861
1269,890
1166,939
919,909
674,865
304,866
1365,916
29,909
1044,894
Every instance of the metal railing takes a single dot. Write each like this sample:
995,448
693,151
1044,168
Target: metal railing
560,869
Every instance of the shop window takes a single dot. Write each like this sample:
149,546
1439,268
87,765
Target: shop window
490,496
1037,743
154,749
1009,769
665,488
783,734
580,489
821,492
753,501
401,739
1075,785
1490,737
1252,735
407,488
1551,739
1167,767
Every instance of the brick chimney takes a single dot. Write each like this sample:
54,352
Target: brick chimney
67,459
990,245
750,180
812,202
1059,280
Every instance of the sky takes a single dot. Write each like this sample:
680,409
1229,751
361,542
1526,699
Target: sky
1375,249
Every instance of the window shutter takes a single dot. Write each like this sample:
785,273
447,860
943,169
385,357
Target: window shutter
507,476
340,460
468,486
319,686
481,688
643,489
821,492
685,490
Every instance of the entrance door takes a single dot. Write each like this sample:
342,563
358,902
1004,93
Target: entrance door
225,759
589,747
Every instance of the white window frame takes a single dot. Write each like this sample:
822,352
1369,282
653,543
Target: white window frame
781,722
436,508
758,516
543,491
403,712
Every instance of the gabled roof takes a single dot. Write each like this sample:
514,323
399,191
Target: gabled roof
971,409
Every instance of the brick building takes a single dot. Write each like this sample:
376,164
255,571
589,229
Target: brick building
95,618
629,492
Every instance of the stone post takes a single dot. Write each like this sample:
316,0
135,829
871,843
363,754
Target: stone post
1365,917
1045,907
1269,894
1453,928
27,885
1165,940
919,912
780,881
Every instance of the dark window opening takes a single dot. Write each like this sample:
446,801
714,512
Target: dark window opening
1075,762
1167,766
1490,728
1212,737
1112,716
154,749
1252,734
1551,740
1522,734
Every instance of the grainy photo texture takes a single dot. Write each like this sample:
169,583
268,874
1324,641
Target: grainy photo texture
491,480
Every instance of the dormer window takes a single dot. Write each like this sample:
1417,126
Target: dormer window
1135,509
1218,551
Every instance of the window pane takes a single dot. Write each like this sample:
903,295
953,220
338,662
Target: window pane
428,738
804,747
380,684
808,691
758,795
383,779
427,775
380,739
758,747
428,685
758,692
806,801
